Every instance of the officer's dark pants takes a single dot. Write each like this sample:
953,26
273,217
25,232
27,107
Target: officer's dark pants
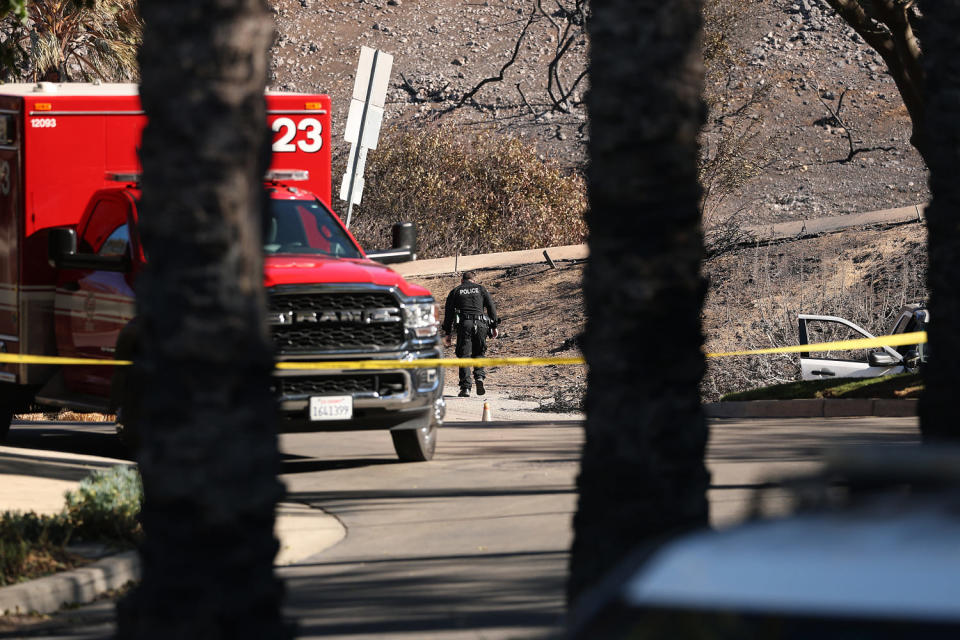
471,343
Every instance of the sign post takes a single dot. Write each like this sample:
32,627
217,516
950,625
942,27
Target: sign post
364,120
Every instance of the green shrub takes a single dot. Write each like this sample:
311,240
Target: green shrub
13,556
31,527
23,534
106,505
467,194
104,508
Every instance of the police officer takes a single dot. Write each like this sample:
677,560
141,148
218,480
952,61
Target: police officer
471,307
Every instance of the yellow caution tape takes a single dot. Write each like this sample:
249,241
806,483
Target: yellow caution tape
16,358
432,362
919,337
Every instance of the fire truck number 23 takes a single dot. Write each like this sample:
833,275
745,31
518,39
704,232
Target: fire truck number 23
312,140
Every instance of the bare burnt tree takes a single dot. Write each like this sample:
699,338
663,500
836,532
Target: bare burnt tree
940,141
889,26
642,475
209,449
567,20
835,119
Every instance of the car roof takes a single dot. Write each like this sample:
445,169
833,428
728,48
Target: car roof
887,563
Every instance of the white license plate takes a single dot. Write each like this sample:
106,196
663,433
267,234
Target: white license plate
331,407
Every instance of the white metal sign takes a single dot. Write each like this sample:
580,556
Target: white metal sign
364,120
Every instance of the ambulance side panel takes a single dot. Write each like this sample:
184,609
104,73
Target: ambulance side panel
11,192
72,143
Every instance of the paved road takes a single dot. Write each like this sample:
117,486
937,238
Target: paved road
473,545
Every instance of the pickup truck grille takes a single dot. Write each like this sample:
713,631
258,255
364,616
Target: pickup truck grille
330,301
333,335
340,384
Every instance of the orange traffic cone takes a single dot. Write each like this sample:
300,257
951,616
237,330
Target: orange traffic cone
486,412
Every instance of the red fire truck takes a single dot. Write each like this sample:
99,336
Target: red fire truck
70,254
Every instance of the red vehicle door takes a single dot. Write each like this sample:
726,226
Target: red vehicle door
92,307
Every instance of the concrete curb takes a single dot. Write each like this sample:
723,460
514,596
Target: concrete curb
35,480
303,531
813,408
438,266
759,233
832,224
78,586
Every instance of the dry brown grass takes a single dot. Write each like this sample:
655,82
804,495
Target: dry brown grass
65,415
756,293
44,560
754,297
468,194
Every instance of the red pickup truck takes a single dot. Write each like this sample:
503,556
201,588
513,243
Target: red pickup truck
70,256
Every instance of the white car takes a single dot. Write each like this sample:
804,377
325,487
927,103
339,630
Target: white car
862,363
871,561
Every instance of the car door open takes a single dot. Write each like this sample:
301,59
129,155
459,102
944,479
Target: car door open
860,363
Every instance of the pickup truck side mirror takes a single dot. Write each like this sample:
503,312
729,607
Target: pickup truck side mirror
881,359
61,244
404,245
62,254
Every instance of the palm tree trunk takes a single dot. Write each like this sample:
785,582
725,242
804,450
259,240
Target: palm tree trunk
642,474
209,450
940,142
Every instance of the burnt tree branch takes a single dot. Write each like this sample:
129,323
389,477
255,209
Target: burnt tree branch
499,77
890,32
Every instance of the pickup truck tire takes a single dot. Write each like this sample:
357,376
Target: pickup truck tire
418,444
128,417
6,417
126,390
129,436
13,400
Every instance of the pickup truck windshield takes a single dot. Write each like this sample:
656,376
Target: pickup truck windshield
305,227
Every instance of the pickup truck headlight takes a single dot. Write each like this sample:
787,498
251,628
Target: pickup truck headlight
421,318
